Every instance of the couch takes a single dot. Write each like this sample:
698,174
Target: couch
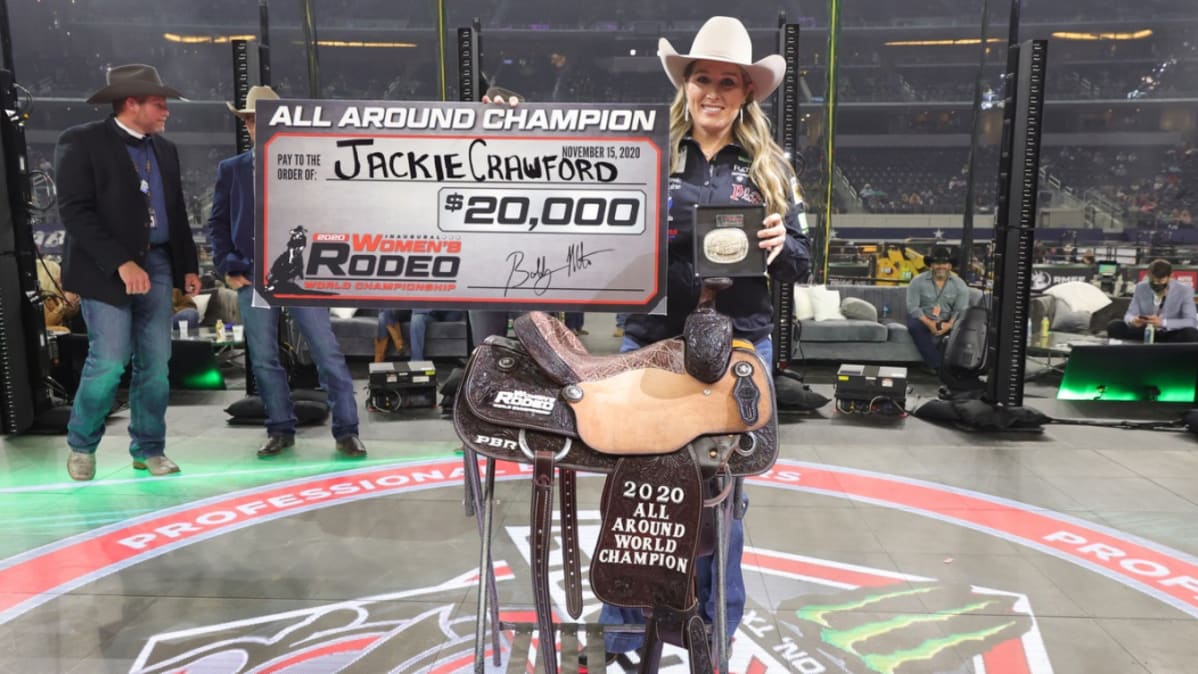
356,330
1057,305
853,340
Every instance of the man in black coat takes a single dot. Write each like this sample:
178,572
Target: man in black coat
128,243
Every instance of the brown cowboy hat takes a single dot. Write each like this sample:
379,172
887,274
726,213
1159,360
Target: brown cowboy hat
726,40
134,79
255,94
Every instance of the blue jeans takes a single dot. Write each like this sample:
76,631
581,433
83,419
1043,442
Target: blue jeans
734,585
262,339
139,332
928,346
419,326
192,316
388,317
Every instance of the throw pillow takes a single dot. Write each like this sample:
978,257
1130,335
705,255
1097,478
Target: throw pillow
826,304
343,312
803,309
1079,296
201,301
859,309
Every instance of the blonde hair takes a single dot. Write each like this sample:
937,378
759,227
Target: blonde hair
770,171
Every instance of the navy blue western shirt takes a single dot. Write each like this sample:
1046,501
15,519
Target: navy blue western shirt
723,181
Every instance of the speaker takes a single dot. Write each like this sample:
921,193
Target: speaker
966,348
15,399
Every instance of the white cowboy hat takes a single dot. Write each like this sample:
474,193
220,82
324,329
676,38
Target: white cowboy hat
135,79
724,39
255,94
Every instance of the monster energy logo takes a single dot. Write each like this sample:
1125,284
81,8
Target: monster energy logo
925,627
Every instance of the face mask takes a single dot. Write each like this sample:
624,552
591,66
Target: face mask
1157,287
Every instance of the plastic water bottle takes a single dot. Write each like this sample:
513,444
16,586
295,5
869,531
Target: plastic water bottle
1149,334
219,329
885,311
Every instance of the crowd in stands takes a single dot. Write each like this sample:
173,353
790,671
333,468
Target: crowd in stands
1149,186
919,180
64,49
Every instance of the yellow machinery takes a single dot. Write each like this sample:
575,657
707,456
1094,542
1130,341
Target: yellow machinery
895,264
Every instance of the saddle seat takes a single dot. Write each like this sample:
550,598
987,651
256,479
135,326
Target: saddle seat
566,361
620,401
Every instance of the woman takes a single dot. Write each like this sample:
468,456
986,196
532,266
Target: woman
722,153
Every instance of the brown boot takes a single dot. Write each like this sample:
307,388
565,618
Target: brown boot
396,332
380,349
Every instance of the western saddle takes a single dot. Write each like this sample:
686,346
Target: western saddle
671,424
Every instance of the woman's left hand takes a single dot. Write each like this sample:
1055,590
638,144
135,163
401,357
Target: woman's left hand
772,237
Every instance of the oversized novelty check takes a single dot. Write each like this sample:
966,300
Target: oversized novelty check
461,205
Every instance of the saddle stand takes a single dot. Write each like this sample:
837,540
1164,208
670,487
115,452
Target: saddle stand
674,425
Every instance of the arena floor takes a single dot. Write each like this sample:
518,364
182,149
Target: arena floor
874,545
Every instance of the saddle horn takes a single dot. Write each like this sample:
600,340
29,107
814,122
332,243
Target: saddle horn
708,335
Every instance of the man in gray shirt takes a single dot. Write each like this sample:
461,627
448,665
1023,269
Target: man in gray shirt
1158,301
935,300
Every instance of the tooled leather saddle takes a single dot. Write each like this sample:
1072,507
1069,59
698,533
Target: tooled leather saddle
665,422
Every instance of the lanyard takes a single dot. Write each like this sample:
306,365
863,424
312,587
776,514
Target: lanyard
144,168
145,179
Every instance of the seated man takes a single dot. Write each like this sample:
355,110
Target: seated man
1158,301
935,300
185,309
60,307
419,326
389,332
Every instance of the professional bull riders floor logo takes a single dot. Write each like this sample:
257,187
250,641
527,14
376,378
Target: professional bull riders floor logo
828,617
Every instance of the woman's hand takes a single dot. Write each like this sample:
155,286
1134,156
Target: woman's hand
511,99
772,237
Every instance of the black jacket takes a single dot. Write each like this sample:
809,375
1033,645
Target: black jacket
105,214
722,181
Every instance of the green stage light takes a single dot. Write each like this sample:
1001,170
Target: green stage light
1166,373
208,380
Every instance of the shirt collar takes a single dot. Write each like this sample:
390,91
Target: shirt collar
688,138
135,134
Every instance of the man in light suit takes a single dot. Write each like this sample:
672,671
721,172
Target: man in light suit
231,230
1159,301
128,243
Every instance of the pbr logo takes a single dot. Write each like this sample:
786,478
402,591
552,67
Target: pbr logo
1041,280
492,441
814,615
